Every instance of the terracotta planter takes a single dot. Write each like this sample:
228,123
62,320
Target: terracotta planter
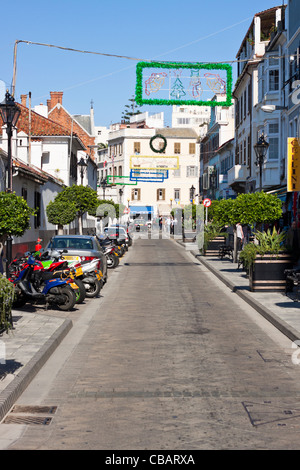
267,272
214,246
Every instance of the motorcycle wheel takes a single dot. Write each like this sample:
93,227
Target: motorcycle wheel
70,298
80,293
93,289
112,261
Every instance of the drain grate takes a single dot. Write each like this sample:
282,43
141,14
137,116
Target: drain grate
11,419
27,414
267,412
34,409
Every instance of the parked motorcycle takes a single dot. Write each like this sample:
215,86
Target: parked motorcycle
85,272
40,287
60,268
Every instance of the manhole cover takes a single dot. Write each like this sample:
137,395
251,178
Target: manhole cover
267,412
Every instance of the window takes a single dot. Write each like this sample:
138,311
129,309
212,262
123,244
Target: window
160,194
24,193
136,194
120,170
273,80
191,171
177,147
37,207
161,169
192,148
137,147
176,173
273,140
177,194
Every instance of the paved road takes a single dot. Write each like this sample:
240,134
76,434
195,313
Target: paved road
168,358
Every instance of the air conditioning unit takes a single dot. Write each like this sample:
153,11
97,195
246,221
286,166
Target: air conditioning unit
205,180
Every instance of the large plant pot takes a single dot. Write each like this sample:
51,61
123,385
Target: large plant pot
267,272
214,246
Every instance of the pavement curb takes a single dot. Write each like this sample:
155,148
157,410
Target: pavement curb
13,391
280,324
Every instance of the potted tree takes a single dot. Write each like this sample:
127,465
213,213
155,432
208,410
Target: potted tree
7,294
83,198
250,208
14,221
60,213
266,260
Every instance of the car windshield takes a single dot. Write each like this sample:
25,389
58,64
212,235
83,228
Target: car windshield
73,243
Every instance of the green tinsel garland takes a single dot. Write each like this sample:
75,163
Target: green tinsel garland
182,65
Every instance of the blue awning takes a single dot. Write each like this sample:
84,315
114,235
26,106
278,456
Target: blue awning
141,210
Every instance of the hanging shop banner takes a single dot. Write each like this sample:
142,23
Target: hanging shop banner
293,170
180,83
148,176
153,162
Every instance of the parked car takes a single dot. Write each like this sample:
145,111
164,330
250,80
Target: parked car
125,227
118,234
80,248
139,225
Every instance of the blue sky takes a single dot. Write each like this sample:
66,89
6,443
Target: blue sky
171,30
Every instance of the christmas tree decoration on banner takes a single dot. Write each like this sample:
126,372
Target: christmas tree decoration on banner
180,83
151,162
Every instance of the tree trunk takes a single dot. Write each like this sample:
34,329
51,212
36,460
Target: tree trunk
60,229
80,223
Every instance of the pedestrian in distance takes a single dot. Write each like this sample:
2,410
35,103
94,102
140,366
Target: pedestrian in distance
240,236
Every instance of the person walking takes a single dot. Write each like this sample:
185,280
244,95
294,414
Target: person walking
240,236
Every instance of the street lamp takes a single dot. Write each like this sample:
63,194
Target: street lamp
192,192
261,148
104,185
10,114
83,166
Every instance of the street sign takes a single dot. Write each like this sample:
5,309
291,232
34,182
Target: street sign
207,202
126,210
293,167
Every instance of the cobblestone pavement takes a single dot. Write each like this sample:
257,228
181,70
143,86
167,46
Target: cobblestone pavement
168,358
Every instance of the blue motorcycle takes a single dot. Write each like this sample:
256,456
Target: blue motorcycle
34,285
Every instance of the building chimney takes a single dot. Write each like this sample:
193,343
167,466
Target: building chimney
56,98
24,100
49,104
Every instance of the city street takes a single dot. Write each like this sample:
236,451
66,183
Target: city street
168,358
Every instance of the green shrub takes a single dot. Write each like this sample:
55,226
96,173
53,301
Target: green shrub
7,293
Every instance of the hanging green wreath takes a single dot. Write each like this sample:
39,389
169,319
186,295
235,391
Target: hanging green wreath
160,143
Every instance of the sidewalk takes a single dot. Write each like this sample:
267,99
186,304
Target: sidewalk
277,308
24,350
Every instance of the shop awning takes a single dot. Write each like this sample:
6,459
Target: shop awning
141,210
281,193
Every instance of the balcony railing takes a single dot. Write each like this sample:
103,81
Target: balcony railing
237,174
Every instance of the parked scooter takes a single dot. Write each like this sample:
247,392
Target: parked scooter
85,271
40,287
60,268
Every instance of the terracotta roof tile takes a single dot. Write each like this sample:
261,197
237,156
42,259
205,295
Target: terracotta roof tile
40,125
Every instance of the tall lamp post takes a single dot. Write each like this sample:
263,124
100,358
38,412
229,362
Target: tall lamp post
83,166
192,192
261,148
10,114
104,186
